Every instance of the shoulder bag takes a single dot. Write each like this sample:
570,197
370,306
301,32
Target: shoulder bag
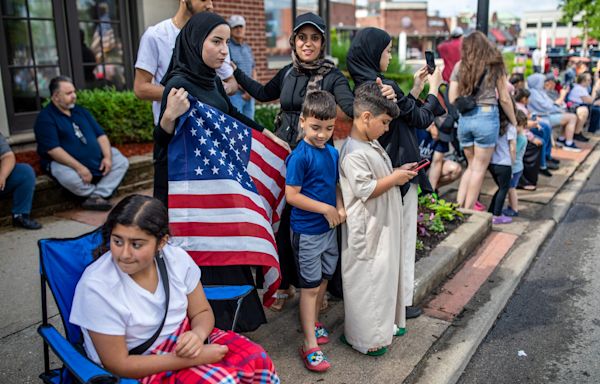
467,103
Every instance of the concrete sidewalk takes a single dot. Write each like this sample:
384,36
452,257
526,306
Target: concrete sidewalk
20,302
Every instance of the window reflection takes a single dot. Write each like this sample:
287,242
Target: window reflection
40,8
45,42
103,10
24,92
14,8
305,6
278,25
44,75
17,39
101,43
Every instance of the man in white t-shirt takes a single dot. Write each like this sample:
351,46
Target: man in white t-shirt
537,60
156,49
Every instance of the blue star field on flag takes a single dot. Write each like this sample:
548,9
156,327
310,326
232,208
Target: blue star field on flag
220,146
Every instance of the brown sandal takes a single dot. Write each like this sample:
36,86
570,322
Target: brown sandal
280,298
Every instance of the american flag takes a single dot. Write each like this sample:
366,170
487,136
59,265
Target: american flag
226,192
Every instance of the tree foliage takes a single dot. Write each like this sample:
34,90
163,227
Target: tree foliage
589,10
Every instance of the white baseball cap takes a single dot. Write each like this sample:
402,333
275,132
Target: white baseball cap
237,21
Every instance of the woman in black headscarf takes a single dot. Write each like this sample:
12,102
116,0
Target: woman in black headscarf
201,47
368,57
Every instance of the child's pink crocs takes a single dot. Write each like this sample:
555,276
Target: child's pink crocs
314,359
321,334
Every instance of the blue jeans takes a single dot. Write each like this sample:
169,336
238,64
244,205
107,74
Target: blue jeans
479,127
21,184
545,134
244,106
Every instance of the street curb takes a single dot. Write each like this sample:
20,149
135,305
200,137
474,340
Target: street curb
451,354
432,270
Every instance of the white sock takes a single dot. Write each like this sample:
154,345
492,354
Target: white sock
561,138
569,142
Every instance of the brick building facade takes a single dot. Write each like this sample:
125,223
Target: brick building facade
254,13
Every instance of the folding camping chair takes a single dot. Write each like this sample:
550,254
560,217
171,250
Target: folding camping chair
62,262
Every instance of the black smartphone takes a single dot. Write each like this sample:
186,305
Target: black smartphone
430,60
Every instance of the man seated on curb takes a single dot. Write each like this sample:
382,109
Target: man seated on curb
542,105
75,150
18,180
433,145
581,98
561,97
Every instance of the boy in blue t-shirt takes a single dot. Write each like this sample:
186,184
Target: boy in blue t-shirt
311,189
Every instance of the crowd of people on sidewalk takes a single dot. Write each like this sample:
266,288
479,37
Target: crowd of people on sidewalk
349,224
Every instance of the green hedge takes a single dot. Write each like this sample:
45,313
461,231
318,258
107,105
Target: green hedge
265,115
124,117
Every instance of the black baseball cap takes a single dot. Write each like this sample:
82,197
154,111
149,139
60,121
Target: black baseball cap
312,19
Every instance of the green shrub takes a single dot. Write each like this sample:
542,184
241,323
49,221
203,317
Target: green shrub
509,63
124,117
265,115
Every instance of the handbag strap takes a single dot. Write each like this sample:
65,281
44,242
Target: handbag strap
476,89
164,276
443,90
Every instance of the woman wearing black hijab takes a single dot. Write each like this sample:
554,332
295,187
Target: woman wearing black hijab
200,48
368,57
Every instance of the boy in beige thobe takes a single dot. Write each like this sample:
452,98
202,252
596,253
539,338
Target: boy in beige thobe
372,237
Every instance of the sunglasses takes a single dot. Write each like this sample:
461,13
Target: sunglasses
79,134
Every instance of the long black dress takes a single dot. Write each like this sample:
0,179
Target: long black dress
204,85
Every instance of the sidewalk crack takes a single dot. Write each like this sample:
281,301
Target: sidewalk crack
26,328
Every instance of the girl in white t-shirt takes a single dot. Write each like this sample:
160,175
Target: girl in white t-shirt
120,302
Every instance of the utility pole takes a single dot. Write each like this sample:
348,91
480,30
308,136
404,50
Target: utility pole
483,10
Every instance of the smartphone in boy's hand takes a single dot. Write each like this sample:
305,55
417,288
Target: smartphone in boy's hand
420,165
430,60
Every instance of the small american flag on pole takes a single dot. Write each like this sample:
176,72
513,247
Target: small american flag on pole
226,192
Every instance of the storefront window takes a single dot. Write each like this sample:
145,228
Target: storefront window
88,40
31,51
101,43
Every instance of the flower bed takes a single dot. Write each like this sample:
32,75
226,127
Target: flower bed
437,218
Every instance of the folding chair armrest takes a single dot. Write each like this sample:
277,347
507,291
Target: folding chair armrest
85,370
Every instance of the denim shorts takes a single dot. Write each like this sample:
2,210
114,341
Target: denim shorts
555,118
514,181
479,127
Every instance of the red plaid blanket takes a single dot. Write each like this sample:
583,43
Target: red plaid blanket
245,363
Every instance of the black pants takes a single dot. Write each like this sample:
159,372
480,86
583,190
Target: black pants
287,265
502,175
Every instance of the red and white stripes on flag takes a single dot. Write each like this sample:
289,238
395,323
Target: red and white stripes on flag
216,213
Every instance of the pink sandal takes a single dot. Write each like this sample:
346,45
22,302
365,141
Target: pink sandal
321,334
314,359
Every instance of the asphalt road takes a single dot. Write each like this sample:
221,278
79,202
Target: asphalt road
554,316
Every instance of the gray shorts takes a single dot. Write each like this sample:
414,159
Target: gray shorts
316,257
